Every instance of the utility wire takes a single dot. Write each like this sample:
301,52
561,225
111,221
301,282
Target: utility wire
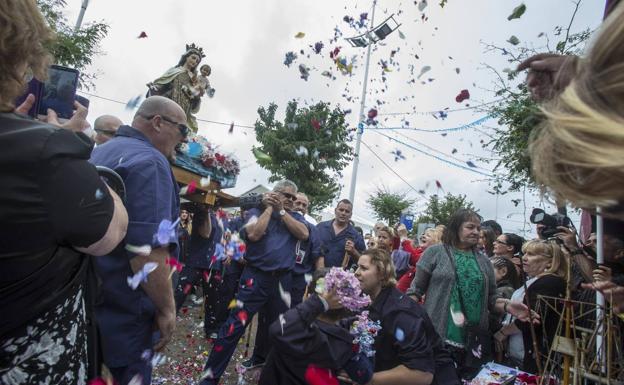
443,110
477,122
435,156
198,119
435,150
390,168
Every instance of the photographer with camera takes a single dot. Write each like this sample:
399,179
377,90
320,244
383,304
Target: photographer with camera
55,211
272,234
581,259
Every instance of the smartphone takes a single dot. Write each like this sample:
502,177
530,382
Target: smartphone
82,100
35,87
59,92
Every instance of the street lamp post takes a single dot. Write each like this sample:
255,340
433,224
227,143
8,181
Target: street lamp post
83,8
360,127
372,35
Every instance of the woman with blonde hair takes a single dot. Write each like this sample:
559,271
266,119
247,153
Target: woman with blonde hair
431,236
578,154
54,211
545,266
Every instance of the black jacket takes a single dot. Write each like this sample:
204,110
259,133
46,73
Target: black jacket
302,341
407,337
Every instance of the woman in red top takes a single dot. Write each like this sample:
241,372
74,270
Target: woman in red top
431,236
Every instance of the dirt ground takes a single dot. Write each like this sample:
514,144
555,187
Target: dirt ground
188,351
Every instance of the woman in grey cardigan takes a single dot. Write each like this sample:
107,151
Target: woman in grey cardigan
454,304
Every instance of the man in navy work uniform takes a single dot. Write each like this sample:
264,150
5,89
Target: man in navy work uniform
338,237
272,234
140,154
205,235
306,255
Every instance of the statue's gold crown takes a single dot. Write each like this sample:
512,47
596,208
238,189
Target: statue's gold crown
195,49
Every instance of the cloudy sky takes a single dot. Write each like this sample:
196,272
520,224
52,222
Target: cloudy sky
245,42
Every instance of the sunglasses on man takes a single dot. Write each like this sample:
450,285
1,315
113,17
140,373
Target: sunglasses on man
183,128
288,195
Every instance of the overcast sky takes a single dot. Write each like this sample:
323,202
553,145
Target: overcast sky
245,42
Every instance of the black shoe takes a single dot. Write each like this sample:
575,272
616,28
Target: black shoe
253,362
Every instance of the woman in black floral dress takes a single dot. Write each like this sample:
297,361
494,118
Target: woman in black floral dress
54,211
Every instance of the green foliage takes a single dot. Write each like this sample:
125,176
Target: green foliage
517,116
388,206
439,211
71,48
328,153
517,113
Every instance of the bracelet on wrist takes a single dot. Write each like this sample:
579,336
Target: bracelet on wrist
505,306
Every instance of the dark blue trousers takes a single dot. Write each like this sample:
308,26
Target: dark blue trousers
123,375
261,344
220,294
264,291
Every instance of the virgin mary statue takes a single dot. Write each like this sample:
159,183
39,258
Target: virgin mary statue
177,83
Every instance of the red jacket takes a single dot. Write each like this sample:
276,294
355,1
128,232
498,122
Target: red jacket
406,280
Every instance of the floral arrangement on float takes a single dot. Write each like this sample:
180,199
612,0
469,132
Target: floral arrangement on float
201,157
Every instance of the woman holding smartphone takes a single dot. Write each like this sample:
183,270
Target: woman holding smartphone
54,212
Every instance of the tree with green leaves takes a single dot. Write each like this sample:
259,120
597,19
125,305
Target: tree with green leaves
73,48
388,206
310,148
517,113
439,210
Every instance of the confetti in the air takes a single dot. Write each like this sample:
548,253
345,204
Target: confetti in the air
463,95
284,295
517,12
399,334
140,250
141,275
301,151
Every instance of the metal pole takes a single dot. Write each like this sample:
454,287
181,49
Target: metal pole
83,8
360,131
600,300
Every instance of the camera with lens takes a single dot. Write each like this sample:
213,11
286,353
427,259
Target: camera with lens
251,201
549,221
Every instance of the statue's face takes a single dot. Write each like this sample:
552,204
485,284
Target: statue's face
205,71
192,61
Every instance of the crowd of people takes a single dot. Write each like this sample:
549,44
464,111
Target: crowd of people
92,275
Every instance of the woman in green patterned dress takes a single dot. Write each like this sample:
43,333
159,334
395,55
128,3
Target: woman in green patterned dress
454,304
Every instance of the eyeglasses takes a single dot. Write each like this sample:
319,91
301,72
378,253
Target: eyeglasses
106,132
183,128
501,242
288,195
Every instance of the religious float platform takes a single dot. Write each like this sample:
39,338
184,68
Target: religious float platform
202,171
